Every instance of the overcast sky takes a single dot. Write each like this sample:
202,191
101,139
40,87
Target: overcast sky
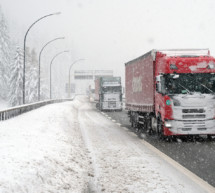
108,33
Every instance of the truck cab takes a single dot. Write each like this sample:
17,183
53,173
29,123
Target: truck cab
110,93
185,92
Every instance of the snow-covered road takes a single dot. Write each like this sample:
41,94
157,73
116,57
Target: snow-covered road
122,163
71,147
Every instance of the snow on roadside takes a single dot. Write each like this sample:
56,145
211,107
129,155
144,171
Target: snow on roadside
43,151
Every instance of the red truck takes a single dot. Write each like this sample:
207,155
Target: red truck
172,92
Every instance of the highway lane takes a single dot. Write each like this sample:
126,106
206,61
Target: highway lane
197,156
122,163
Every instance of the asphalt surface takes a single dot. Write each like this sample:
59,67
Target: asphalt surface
197,155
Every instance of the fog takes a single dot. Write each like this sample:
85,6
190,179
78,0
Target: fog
109,33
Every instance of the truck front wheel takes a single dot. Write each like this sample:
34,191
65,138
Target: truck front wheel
160,131
209,137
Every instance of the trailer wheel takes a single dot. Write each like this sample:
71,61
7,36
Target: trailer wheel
141,133
100,107
132,121
149,127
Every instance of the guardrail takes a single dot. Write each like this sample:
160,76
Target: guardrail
18,110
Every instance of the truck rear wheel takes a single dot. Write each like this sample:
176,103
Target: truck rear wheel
133,120
97,105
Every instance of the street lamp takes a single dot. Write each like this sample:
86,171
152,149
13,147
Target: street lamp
69,88
51,70
40,62
23,90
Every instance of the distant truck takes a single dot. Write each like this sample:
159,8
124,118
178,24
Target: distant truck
108,93
172,92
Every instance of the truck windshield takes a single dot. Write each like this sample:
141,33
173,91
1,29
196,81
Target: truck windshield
189,83
111,89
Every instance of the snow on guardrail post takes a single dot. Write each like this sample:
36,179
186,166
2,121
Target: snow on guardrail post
7,115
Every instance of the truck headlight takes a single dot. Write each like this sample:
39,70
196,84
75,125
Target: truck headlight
167,124
176,102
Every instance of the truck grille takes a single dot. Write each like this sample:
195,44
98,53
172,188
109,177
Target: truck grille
194,116
197,123
202,129
111,104
186,129
193,110
189,129
193,119
194,122
111,99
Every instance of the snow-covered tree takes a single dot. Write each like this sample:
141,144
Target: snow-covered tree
5,57
16,79
31,76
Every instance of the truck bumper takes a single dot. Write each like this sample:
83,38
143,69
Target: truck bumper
112,105
189,127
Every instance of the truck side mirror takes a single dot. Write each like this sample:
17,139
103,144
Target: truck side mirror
158,78
158,87
158,83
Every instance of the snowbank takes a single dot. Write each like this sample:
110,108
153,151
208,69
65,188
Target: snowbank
42,151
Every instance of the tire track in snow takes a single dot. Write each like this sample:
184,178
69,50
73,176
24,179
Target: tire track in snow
92,186
91,120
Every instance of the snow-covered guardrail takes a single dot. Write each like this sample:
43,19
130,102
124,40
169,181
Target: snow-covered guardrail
18,110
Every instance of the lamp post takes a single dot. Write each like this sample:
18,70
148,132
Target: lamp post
51,69
23,90
40,62
69,88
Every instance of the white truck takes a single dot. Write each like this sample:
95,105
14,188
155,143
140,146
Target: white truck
108,93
